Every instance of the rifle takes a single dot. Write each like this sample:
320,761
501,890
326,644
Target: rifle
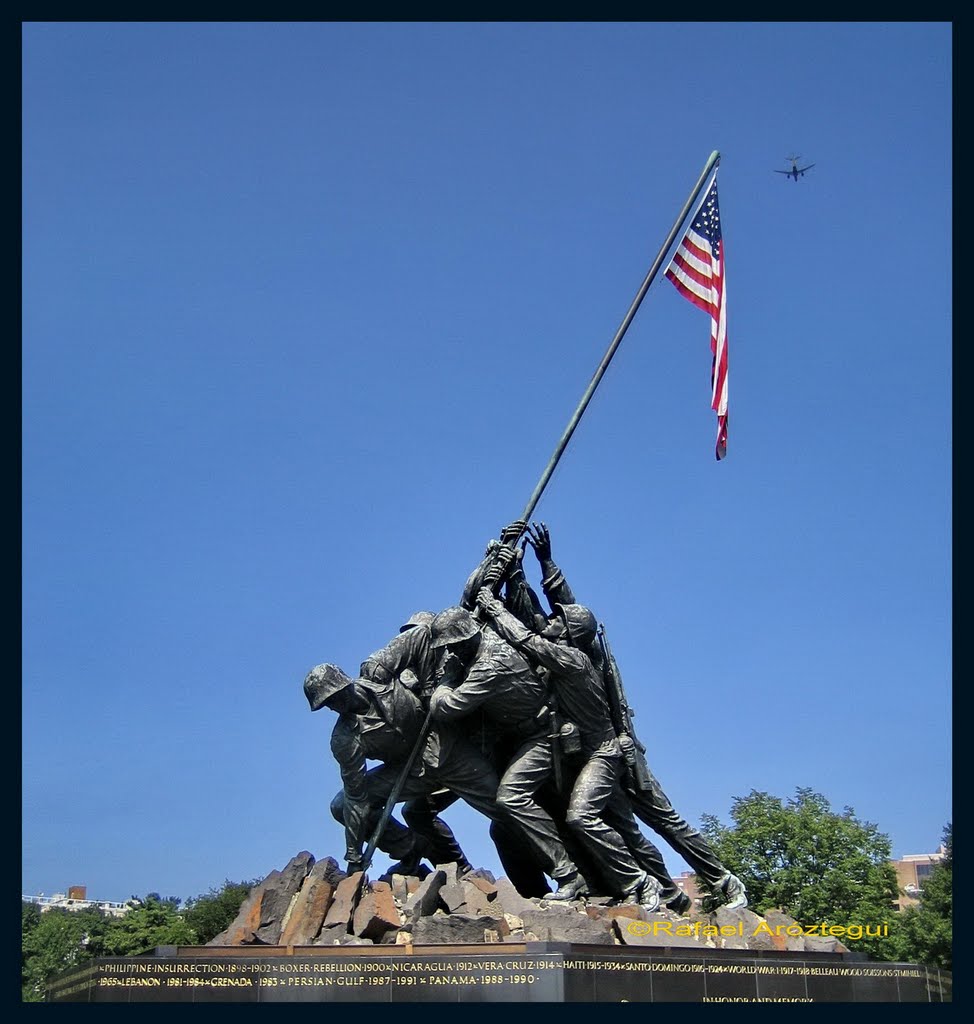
390,803
555,737
622,715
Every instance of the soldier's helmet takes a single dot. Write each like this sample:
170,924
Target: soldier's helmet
417,619
453,626
322,683
580,624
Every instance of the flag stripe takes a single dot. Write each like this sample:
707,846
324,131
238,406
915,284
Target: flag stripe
697,273
698,281
699,295
701,301
697,248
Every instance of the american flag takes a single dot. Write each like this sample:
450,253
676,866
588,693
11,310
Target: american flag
697,270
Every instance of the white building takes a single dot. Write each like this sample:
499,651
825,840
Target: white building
76,899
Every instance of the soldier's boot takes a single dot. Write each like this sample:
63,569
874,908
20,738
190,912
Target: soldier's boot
407,866
649,894
570,887
645,893
680,903
733,891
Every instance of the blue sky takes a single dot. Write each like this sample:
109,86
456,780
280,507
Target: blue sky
306,308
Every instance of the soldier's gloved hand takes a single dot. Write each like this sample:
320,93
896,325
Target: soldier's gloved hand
487,602
628,748
539,538
450,671
511,533
503,558
440,694
506,555
492,575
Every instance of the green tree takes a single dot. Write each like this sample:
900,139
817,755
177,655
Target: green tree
926,932
214,911
151,922
58,940
173,901
30,918
55,941
816,865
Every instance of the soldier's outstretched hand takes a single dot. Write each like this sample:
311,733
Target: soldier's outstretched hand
487,602
539,538
493,575
511,533
503,557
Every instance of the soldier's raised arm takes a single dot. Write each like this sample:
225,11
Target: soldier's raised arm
553,582
569,661
498,557
520,597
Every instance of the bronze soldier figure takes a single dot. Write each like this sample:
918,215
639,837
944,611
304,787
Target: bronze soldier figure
382,722
598,760
494,679
651,805
410,660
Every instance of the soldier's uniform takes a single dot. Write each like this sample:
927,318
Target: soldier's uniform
578,689
651,806
386,729
500,683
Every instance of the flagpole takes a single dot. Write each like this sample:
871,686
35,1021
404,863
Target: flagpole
712,162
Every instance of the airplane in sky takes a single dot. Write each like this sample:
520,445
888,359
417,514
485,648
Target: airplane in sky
796,172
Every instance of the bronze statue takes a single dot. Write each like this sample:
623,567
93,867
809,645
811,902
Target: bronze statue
382,721
646,797
521,713
578,702
493,678
575,684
